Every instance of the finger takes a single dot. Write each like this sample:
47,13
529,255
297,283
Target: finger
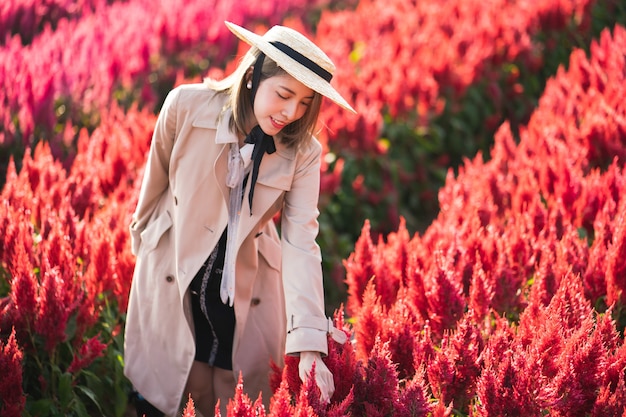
324,399
324,394
327,388
304,374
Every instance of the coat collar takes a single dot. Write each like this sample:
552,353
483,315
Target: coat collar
214,116
275,173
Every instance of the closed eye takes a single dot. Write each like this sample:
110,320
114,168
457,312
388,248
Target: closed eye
306,103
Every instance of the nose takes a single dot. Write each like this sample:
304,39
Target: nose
290,109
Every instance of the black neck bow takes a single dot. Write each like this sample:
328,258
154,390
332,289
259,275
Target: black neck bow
262,143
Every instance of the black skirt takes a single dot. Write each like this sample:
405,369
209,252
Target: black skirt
214,321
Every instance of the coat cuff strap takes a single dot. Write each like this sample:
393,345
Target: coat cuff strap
322,324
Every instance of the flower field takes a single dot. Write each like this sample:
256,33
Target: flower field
473,213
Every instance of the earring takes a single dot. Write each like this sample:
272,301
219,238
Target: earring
249,85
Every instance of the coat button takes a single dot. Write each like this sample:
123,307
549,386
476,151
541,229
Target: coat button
169,278
175,201
255,301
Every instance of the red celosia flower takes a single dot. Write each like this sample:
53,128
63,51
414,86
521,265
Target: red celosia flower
291,374
341,360
574,388
611,399
454,369
616,253
17,247
241,406
88,352
444,294
53,313
368,322
442,410
342,409
481,291
276,376
402,327
414,399
504,387
546,279
190,410
280,403
309,402
12,398
359,269
24,292
416,291
378,391
390,264
258,407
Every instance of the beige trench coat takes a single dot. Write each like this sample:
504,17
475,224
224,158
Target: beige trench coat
180,215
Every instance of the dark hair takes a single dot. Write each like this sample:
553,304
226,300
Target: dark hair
240,101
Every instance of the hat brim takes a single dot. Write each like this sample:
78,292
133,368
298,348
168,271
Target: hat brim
290,65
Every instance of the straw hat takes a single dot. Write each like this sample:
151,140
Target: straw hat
297,55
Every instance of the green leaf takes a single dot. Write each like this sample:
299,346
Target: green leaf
41,407
90,394
121,401
65,389
92,380
79,409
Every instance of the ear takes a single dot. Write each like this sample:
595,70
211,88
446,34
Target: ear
248,75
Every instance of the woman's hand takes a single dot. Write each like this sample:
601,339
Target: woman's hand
323,376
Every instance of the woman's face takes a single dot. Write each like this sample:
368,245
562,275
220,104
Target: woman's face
280,100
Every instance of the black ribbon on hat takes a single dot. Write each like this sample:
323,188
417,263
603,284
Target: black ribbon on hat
262,141
303,60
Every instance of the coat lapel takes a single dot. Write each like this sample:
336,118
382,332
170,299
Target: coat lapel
275,173
275,176
223,136
209,118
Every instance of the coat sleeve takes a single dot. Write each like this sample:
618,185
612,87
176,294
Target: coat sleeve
156,173
307,325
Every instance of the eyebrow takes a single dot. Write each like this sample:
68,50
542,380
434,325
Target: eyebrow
294,93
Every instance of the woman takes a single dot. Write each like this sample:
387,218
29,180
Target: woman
216,291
